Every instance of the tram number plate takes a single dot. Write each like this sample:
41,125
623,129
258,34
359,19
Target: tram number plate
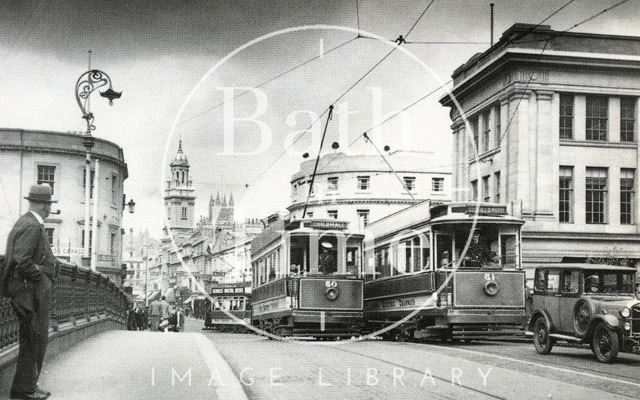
636,349
489,277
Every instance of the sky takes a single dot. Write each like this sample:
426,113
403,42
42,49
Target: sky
161,55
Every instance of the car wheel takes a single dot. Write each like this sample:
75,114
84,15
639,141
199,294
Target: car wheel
541,339
605,343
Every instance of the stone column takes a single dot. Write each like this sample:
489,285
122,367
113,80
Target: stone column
519,131
545,163
613,134
579,117
505,149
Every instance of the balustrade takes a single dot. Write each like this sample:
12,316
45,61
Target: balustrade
78,295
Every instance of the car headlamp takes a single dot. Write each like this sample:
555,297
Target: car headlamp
625,312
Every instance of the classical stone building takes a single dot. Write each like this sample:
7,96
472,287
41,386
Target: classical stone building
361,188
551,131
28,157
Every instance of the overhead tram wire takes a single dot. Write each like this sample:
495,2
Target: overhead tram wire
315,168
392,116
399,41
278,76
404,185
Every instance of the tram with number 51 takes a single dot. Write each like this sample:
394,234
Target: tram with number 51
306,279
420,278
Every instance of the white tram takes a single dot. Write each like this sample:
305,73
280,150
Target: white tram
307,279
416,252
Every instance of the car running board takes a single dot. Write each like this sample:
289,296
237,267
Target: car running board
557,336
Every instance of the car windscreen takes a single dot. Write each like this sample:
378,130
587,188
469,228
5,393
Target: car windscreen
608,282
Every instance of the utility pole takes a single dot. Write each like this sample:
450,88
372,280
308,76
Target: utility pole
146,272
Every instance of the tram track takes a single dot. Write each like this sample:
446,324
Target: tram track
419,372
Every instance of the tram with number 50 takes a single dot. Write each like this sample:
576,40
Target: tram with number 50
445,271
306,279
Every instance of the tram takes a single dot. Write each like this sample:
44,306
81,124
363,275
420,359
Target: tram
421,249
306,279
235,300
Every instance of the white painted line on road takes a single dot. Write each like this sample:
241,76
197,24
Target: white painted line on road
606,378
226,384
321,321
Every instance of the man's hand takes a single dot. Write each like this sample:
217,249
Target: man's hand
34,276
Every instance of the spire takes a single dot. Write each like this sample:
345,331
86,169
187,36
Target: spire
211,200
224,200
231,200
218,198
180,159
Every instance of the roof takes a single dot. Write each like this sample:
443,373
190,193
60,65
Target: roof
180,159
588,267
402,161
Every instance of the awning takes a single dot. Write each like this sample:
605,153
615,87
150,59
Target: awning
153,295
194,297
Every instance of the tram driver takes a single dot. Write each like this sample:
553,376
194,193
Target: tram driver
478,254
328,258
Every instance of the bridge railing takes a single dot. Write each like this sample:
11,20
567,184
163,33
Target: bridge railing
79,295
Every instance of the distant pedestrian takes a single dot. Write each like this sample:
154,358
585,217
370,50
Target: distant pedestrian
155,313
141,319
27,277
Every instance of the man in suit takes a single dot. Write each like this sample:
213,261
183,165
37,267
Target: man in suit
28,273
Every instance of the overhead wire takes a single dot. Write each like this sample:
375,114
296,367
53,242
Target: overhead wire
399,41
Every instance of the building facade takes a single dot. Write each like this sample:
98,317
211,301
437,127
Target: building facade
551,131
362,188
28,157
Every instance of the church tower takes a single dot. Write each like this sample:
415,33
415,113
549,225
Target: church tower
179,198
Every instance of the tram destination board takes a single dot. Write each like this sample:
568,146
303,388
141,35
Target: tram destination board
486,210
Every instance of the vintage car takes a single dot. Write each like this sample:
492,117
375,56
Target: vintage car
586,304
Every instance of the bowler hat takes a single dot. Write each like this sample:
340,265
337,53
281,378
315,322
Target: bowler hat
40,194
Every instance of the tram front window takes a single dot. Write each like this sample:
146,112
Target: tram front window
299,256
328,258
483,248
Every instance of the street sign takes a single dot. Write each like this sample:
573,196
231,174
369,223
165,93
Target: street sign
67,251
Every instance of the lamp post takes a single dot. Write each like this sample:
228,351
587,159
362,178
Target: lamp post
86,84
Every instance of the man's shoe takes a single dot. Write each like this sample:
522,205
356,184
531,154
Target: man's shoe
44,392
35,395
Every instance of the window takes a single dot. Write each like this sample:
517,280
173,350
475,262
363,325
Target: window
570,282
409,182
486,131
114,189
112,244
485,189
363,183
627,119
91,178
498,124
565,185
437,184
184,212
309,214
50,235
553,282
596,196
90,240
333,184
627,196
474,190
46,174
332,214
496,187
363,216
476,134
566,116
597,118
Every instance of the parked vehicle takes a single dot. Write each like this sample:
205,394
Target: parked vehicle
586,304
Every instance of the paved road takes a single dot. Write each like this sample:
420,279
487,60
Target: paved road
271,369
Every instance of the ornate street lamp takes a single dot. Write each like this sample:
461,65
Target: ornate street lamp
86,84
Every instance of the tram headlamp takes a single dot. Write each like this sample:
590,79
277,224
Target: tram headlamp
331,293
627,326
491,288
625,312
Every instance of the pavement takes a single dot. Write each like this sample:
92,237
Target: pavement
140,365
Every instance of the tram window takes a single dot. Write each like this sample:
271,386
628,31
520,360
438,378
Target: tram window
382,262
353,260
299,256
509,251
328,257
443,250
